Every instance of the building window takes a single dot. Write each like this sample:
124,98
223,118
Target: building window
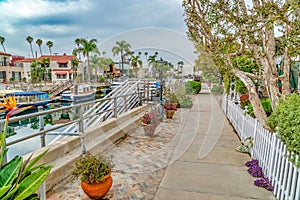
61,76
63,65
16,76
2,76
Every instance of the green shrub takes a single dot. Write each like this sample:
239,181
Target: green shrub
186,102
192,87
266,104
217,89
285,119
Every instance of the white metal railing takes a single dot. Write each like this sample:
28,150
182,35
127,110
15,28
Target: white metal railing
268,149
111,106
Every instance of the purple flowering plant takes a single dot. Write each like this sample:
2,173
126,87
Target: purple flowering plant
256,171
265,183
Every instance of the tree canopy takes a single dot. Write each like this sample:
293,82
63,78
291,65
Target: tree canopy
232,30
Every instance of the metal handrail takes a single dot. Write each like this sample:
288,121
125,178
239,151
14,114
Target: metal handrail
126,105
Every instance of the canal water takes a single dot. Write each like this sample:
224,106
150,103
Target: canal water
30,126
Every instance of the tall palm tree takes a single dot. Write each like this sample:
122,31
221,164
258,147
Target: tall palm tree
87,47
2,40
77,42
153,61
50,45
122,48
146,55
29,39
39,42
180,66
134,62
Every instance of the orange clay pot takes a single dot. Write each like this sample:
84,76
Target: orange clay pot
97,190
170,114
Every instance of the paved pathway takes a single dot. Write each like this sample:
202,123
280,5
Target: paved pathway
190,157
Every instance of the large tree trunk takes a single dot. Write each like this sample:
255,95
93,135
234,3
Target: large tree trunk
258,110
269,66
271,83
286,67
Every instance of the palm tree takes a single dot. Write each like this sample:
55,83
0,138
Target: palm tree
75,64
103,63
86,47
146,55
134,62
39,42
180,65
77,42
29,39
2,40
50,45
121,48
95,65
152,60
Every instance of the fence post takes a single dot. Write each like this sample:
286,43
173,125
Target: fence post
254,136
81,130
272,156
41,126
125,103
139,94
243,124
43,144
115,108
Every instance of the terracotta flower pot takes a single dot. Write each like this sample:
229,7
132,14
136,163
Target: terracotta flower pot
97,190
149,129
170,114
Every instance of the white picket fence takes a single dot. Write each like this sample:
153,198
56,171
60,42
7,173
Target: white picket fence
268,149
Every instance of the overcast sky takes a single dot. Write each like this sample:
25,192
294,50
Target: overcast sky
62,21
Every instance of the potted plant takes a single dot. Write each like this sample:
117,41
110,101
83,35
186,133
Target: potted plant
94,173
170,109
150,121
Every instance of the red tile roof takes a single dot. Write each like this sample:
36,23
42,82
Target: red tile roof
4,54
58,58
25,60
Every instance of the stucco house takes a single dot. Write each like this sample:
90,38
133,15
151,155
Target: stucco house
9,71
60,65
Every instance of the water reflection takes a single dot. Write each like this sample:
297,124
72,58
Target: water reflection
30,126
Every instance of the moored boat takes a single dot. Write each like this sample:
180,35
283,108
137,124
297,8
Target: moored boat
30,98
79,93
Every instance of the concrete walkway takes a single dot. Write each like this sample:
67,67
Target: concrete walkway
190,157
209,168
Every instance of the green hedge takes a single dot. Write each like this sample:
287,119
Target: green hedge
192,87
285,120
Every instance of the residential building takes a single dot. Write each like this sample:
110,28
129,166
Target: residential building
60,65
8,71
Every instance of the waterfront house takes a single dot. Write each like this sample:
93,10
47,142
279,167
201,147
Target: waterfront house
9,71
60,65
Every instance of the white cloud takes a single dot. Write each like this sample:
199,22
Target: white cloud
33,8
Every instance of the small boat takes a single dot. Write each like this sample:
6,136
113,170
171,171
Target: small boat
115,84
79,93
102,92
30,98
